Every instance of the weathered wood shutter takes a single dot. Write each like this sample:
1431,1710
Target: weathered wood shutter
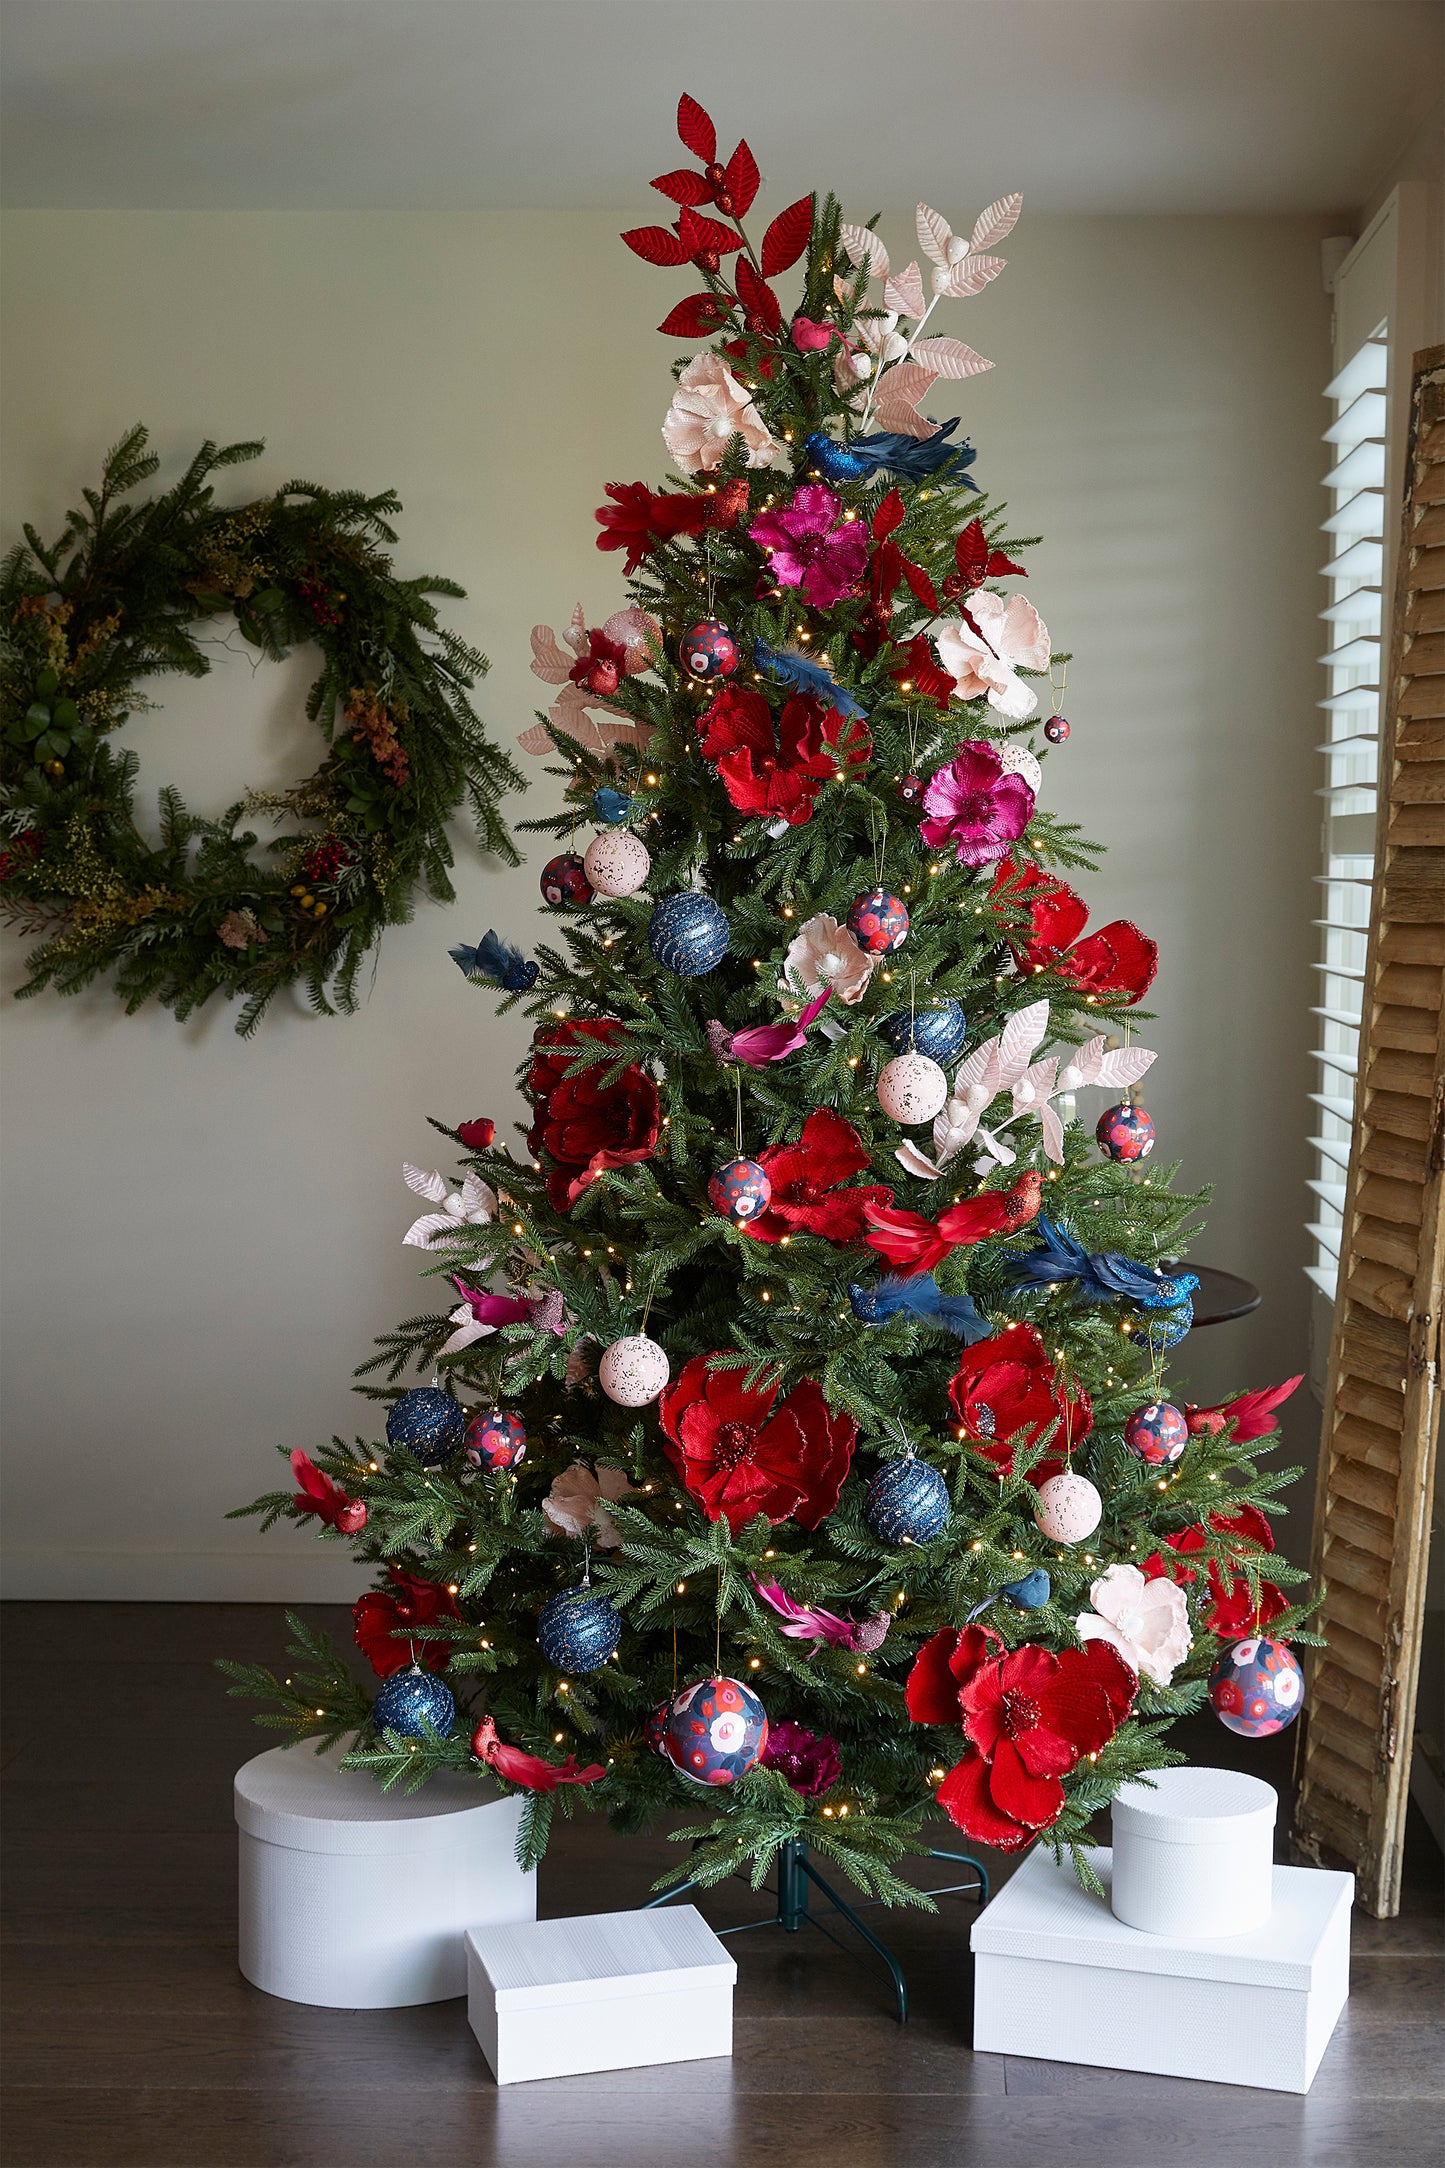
1372,1507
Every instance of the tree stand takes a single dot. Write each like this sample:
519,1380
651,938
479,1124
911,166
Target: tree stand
796,1871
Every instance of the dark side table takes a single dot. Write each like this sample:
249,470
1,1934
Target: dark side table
1220,1295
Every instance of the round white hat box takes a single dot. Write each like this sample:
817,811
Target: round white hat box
1194,1854
360,1899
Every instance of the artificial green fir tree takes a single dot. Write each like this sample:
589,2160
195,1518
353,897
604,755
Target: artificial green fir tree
811,1355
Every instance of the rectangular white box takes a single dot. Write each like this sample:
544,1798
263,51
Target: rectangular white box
1057,1976
606,1991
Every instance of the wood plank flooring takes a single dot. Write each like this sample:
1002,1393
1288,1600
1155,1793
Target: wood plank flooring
131,2040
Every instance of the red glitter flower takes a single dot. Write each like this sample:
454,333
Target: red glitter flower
581,1123
1238,1605
740,1451
408,1604
1005,1390
777,765
807,1198
1118,959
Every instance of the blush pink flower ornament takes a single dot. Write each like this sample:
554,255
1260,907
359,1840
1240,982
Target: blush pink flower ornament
709,408
1146,1621
824,955
977,805
984,651
812,546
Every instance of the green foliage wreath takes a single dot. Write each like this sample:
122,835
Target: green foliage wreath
120,597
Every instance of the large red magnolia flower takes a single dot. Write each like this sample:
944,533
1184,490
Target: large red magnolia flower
913,1244
739,1454
1118,959
778,764
1005,1388
1030,1716
1238,1606
806,1198
410,1605
583,1124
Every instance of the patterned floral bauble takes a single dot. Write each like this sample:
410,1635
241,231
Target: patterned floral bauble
911,1089
616,864
633,1371
740,1190
1257,1687
1125,1131
1156,1434
906,1502
1161,1330
715,1731
688,934
654,1730
911,789
611,806
428,1423
938,1032
878,921
578,1630
412,1700
495,1440
564,880
1068,1508
1056,729
708,650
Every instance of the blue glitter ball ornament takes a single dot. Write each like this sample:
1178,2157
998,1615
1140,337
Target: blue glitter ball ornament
906,1502
410,1700
709,650
1125,1131
611,806
428,1423
688,934
1257,1687
715,1731
495,1440
740,1190
578,1630
878,922
1163,1329
1056,729
564,880
1156,1434
1032,1592
938,1032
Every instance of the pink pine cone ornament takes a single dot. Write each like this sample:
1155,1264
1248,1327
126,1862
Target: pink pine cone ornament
1146,1621
812,546
709,408
808,1759
975,804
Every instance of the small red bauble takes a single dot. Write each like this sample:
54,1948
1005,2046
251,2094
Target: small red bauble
564,880
878,922
1056,729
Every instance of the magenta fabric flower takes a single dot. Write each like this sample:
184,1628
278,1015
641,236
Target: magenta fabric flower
808,1759
975,803
811,545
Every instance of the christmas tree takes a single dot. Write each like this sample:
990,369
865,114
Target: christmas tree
802,1432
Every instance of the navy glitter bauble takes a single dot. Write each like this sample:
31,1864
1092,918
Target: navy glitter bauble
578,1630
938,1032
611,806
1163,1329
410,1700
688,934
428,1423
906,1502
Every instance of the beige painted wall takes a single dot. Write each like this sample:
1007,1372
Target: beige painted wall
200,1235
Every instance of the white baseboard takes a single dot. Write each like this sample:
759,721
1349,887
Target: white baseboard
181,1577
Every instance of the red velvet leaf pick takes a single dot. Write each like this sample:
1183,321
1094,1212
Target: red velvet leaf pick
921,584
683,185
696,130
787,237
742,180
758,299
696,318
656,244
698,234
889,516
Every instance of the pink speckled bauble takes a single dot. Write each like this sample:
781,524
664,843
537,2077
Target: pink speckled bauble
1016,759
616,863
633,1371
911,1089
1069,1508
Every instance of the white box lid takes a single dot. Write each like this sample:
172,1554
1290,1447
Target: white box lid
1043,1912
1194,1806
599,1957
306,1802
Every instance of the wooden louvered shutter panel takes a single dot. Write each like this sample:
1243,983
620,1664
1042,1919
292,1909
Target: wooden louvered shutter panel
1372,1508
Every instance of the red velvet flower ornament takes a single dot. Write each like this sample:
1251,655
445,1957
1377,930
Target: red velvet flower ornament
1118,959
1029,1715
776,765
318,1494
1238,1606
407,1605
581,1123
807,1198
919,671
739,1451
1006,1387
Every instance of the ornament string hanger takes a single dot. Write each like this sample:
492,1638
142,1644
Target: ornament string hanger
647,1306
738,1080
1058,687
878,841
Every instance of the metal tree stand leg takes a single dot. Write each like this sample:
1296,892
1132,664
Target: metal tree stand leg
796,1871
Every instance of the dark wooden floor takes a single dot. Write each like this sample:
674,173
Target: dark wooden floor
132,2041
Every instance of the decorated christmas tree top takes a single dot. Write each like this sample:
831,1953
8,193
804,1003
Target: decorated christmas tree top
802,1429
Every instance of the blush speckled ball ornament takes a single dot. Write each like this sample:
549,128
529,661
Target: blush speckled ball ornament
1016,759
911,1089
938,1032
1068,1508
495,1440
633,1371
412,1700
616,863
709,650
715,1731
911,789
878,921
1125,1132
688,934
428,1423
1056,729
578,1630
1156,1434
906,1502
1257,1687
740,1190
564,880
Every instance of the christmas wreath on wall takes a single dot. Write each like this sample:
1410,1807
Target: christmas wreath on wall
210,909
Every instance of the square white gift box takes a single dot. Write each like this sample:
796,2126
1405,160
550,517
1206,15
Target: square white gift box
1057,1976
606,1991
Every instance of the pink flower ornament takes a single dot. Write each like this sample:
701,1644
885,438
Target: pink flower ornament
812,545
984,651
977,805
1146,1621
709,408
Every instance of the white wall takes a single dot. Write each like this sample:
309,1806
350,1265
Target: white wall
201,1235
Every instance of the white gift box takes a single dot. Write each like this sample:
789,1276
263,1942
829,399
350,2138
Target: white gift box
607,1991
1194,1853
1058,1977
358,1898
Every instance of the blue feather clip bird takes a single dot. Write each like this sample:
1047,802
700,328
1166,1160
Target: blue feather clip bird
494,962
1101,1275
801,674
921,1298
912,459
